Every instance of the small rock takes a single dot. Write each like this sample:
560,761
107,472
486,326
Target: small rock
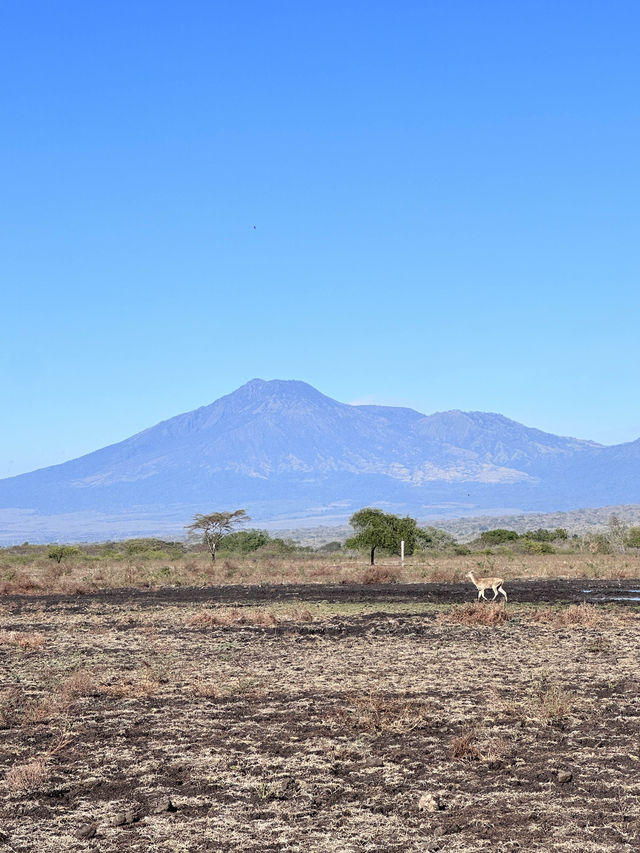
429,803
439,831
564,776
119,819
132,815
286,788
87,831
162,805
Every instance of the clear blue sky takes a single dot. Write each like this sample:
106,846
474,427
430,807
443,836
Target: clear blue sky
445,195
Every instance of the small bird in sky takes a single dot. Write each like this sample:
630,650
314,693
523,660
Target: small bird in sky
254,227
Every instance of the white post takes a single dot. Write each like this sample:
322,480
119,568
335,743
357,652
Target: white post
402,553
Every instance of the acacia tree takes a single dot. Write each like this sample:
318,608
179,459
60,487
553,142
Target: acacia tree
377,529
215,525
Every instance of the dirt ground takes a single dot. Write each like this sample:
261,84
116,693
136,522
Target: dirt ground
320,718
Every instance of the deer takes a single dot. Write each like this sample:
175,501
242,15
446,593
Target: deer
487,583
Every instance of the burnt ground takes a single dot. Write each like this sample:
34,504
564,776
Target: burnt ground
544,591
362,719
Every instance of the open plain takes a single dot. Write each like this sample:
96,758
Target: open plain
321,717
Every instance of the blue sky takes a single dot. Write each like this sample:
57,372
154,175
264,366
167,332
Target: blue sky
445,198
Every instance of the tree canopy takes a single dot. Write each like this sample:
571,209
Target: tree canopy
216,525
377,529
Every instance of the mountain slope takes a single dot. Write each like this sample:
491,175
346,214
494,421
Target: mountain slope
282,448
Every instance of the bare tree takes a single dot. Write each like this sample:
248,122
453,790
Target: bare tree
215,525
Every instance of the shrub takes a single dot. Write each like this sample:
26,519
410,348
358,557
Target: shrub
62,552
536,546
244,541
330,548
633,537
497,537
543,535
461,550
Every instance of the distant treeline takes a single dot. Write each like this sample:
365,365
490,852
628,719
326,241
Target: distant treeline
617,538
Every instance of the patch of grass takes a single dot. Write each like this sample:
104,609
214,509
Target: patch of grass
378,712
575,616
25,640
379,574
547,703
476,614
470,746
28,777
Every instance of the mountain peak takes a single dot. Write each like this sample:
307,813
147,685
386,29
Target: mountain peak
282,448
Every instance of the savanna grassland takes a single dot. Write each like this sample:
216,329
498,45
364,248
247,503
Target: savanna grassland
314,703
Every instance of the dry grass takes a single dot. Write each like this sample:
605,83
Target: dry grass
575,616
83,575
254,616
29,777
11,701
25,640
380,712
548,703
262,737
379,574
476,614
470,746
80,683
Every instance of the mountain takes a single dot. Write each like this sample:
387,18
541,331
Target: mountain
283,450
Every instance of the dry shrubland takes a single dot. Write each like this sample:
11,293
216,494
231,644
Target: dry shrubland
85,571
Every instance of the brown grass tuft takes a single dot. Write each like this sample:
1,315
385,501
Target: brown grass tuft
10,704
27,777
575,616
469,747
80,683
379,712
464,748
378,574
476,614
25,640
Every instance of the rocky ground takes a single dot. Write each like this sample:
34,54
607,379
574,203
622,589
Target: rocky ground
320,718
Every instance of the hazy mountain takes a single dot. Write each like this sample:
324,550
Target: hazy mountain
281,449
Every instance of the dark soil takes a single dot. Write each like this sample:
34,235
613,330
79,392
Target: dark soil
547,591
320,735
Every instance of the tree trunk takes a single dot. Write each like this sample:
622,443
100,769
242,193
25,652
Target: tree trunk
372,553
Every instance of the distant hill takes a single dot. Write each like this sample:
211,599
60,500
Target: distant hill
286,452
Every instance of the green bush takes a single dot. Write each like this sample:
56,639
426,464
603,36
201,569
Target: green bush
543,535
461,550
62,552
329,548
633,537
243,541
497,537
535,546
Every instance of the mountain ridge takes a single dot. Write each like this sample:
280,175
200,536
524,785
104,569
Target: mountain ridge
282,446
